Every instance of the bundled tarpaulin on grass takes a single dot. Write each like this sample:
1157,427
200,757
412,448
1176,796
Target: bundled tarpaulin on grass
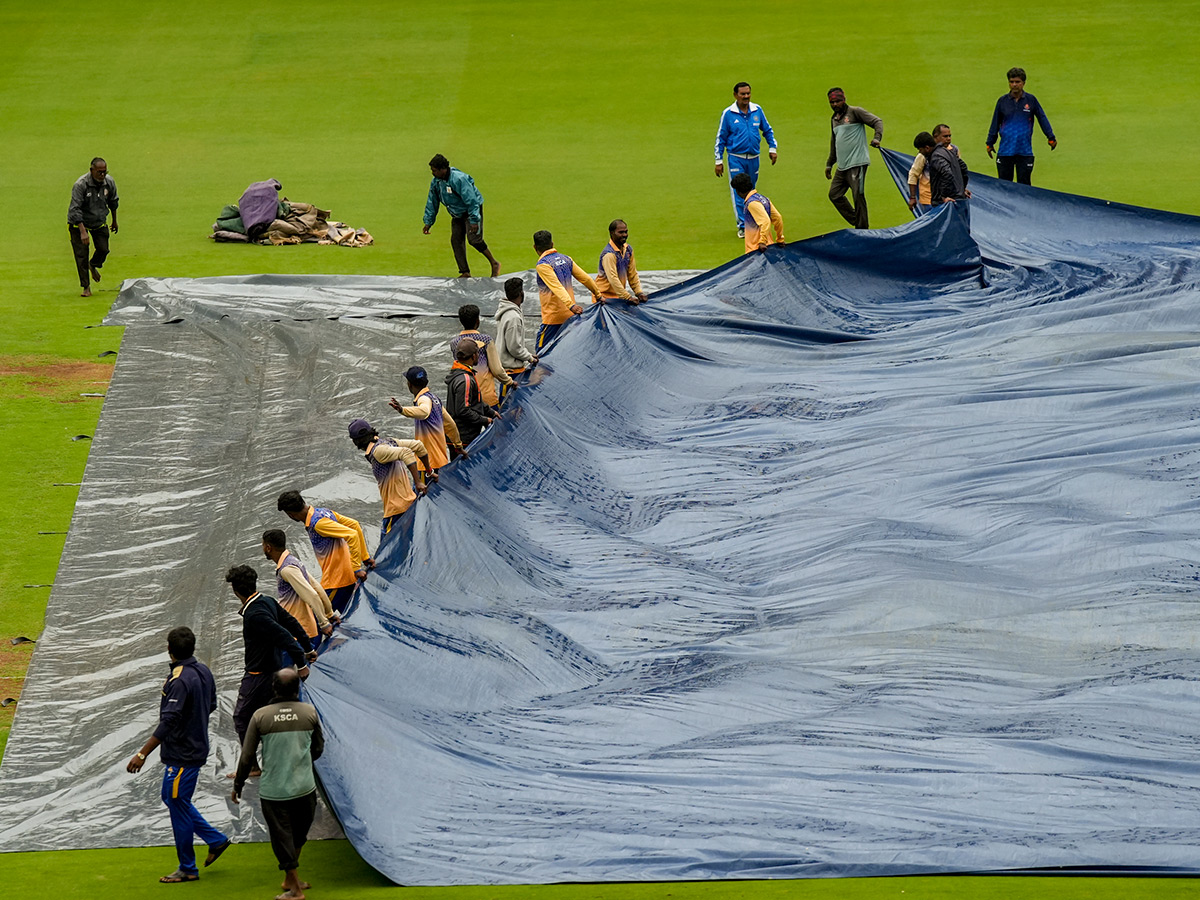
869,555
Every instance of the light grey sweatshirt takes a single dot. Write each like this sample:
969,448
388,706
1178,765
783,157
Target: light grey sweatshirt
510,336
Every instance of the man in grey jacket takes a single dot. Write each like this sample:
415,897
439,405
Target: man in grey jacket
93,196
848,149
510,332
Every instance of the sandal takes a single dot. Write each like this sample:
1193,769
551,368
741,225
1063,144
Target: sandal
178,877
215,851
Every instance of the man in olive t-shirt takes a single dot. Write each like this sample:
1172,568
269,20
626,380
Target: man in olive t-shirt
290,734
848,149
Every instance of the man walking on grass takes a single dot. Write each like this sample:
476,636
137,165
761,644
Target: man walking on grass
189,697
848,150
93,196
456,191
290,734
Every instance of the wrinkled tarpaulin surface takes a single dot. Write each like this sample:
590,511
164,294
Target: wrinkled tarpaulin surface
226,392
839,559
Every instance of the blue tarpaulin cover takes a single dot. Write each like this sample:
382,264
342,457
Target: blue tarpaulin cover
874,554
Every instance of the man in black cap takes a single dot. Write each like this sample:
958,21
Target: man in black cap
392,461
433,428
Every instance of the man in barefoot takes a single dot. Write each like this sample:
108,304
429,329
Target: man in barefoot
290,734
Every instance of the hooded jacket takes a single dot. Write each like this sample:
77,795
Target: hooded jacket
465,403
510,337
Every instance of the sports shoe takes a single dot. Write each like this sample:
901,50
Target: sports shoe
741,232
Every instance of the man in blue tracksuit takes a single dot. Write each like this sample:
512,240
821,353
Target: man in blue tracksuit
456,191
738,136
1012,121
188,698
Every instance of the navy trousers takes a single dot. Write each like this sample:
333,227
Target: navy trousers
179,783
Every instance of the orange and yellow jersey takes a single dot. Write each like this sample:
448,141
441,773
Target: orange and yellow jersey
339,544
761,217
289,574
918,174
289,599
556,274
617,270
429,425
389,461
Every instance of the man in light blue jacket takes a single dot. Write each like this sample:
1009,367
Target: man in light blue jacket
456,191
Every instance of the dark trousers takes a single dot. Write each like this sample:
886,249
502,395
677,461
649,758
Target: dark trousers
79,248
460,237
1022,166
547,333
179,783
288,822
853,180
253,694
503,389
339,597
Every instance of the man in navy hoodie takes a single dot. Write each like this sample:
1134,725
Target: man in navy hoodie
188,698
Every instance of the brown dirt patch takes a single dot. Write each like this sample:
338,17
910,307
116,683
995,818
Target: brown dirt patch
14,661
59,380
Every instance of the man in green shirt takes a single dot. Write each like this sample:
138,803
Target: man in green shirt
848,149
290,733
456,191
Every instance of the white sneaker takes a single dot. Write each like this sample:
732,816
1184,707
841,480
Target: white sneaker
741,232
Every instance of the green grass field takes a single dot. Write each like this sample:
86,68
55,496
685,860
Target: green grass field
567,115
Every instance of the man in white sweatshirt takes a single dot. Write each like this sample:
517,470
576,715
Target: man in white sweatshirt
515,357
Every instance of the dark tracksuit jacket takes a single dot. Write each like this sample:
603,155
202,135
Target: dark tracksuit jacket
270,632
189,697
